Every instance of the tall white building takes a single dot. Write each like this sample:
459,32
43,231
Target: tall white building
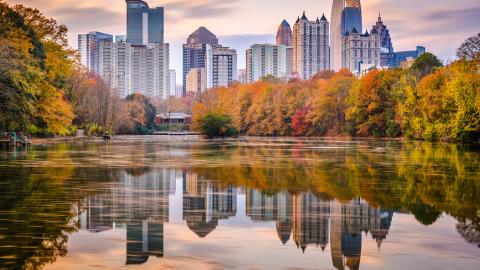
88,47
311,46
264,60
220,66
361,51
132,69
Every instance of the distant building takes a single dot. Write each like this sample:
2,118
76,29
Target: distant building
173,83
144,25
405,55
285,38
221,66
195,51
386,47
196,80
311,46
360,49
242,76
179,90
346,15
120,38
173,118
136,68
264,60
88,47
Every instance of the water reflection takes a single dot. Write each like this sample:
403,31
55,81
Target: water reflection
333,200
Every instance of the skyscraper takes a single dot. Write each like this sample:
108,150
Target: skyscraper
266,59
285,38
284,34
144,25
203,51
195,51
310,46
89,46
346,15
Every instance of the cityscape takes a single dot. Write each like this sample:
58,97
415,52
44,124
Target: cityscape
139,60
140,206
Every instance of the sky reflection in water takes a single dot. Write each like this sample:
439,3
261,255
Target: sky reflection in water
252,204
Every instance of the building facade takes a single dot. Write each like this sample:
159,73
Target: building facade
285,38
402,56
361,51
311,51
264,60
144,25
136,68
386,46
221,66
88,47
195,51
173,83
346,15
196,81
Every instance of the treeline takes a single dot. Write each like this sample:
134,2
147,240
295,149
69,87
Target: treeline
427,101
45,91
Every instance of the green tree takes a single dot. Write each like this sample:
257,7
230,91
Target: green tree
425,64
213,125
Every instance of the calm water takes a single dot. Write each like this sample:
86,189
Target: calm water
143,203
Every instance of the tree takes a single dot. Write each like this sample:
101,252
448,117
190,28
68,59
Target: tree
470,48
425,64
214,125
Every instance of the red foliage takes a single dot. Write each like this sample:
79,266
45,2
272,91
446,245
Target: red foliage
299,121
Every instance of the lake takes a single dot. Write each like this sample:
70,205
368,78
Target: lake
153,203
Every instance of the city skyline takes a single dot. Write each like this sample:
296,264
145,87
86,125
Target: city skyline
420,23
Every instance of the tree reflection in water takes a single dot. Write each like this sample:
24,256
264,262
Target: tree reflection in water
317,193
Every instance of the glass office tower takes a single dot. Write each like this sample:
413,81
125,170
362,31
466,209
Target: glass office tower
346,15
144,25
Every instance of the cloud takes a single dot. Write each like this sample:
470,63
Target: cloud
202,8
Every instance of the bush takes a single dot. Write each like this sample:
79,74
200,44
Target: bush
213,125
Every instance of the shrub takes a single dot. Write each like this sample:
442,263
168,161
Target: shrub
214,125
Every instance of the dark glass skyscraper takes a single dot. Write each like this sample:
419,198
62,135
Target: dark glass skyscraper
346,15
144,25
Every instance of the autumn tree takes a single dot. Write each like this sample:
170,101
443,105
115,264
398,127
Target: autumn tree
470,49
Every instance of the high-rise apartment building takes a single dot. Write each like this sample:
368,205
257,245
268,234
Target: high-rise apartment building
242,76
346,15
311,46
361,51
144,25
88,47
221,66
136,68
285,38
264,60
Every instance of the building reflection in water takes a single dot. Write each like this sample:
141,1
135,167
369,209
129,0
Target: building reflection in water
314,222
205,203
140,204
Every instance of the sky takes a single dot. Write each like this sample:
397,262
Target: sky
440,25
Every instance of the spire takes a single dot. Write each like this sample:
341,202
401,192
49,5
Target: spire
298,19
379,17
285,24
304,17
323,17
354,30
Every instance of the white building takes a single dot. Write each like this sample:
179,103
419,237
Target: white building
221,66
88,47
361,51
311,46
132,69
264,60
